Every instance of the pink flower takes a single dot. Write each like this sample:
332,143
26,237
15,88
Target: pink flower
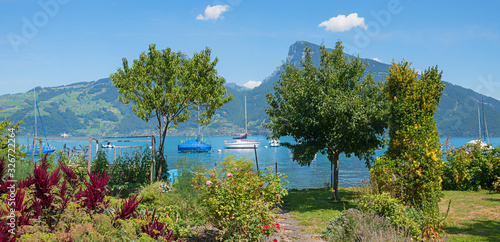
209,183
235,169
212,173
229,174
244,189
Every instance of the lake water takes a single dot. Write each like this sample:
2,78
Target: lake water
351,170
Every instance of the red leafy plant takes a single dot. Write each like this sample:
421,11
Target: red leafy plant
127,209
49,201
156,229
92,198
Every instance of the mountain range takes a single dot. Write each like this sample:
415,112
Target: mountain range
92,108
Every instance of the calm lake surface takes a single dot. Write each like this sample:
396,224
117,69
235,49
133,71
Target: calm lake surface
351,170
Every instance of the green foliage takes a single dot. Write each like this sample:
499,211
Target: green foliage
178,200
411,168
356,225
471,167
239,201
9,147
130,171
331,109
412,163
100,163
166,86
385,205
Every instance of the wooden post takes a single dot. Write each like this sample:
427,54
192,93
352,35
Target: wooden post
33,151
276,163
90,155
256,160
152,159
96,147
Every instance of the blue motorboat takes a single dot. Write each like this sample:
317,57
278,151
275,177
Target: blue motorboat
194,146
45,149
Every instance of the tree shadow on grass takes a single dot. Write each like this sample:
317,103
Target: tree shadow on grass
307,200
492,199
488,230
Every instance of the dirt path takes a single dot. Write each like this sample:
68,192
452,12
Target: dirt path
290,230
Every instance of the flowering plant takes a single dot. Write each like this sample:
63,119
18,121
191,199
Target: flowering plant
241,203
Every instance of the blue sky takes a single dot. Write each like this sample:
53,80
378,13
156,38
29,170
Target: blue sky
59,42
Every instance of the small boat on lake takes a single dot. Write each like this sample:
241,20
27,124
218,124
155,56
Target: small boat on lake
45,149
108,146
274,143
196,145
242,142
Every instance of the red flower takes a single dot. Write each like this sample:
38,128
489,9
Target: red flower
277,225
275,240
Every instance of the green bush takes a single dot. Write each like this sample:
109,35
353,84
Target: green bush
239,201
356,225
178,200
471,168
385,205
131,172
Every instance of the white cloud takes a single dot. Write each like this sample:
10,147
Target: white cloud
213,12
342,23
252,84
377,59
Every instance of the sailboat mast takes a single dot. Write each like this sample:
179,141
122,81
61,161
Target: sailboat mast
479,121
34,107
484,127
486,135
246,122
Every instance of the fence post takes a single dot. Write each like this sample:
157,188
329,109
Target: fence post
256,160
90,154
152,159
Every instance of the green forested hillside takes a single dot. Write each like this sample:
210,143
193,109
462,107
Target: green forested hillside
92,108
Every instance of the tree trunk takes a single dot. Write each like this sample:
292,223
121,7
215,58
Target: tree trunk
161,160
335,175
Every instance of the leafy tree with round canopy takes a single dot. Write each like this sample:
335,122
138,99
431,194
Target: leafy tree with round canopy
331,109
163,85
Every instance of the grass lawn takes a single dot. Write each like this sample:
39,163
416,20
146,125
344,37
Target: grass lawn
474,216
315,207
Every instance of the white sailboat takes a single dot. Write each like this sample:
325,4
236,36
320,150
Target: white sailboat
482,131
242,143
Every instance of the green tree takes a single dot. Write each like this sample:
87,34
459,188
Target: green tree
412,166
166,86
9,147
331,109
